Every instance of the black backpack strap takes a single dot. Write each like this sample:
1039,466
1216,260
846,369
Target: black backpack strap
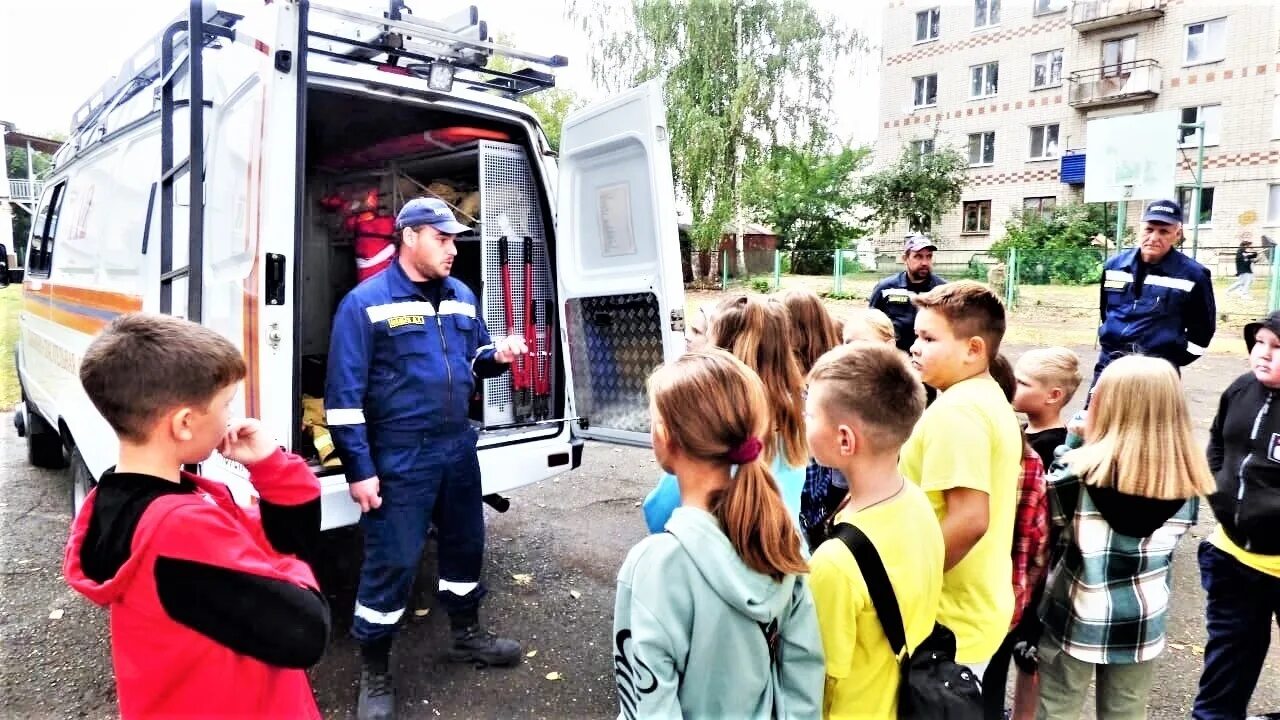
873,572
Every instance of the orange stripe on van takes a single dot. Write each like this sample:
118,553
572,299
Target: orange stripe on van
82,309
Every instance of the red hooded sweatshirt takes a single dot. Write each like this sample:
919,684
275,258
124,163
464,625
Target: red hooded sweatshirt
209,615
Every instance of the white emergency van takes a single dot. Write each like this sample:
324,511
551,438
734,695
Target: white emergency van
242,212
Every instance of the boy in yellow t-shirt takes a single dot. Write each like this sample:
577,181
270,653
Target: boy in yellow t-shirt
862,403
966,454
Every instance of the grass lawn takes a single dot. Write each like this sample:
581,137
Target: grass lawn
1042,315
10,299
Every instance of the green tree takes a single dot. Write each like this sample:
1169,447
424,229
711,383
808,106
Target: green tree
917,188
738,76
1058,246
16,166
551,106
807,196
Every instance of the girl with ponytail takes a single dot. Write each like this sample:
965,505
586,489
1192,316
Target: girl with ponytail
714,617
758,333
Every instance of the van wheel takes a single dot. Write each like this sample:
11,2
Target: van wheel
82,481
44,445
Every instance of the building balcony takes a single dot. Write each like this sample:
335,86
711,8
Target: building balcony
1114,84
1090,15
25,191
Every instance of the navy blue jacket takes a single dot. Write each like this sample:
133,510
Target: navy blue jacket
1163,310
399,366
892,296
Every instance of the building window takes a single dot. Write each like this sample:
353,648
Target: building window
986,13
977,216
921,147
1118,55
927,22
1041,206
1044,7
982,148
1044,141
1206,42
1275,118
985,80
926,90
1046,69
1187,199
1273,205
1211,116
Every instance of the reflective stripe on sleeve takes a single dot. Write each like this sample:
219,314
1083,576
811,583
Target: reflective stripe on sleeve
1195,349
344,416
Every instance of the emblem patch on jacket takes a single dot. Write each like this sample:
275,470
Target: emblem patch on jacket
1273,450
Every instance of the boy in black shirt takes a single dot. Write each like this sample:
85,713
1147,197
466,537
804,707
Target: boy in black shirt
1047,380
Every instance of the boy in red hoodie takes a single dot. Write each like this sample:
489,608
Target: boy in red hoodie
211,614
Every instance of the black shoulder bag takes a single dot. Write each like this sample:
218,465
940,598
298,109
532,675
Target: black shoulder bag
933,686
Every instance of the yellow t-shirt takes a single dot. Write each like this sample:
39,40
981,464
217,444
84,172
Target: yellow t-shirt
862,674
970,438
1268,564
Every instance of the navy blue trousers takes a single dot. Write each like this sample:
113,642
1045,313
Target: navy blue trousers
1241,605
432,480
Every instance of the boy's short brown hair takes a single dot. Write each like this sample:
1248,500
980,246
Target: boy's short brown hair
971,309
1056,367
871,382
143,365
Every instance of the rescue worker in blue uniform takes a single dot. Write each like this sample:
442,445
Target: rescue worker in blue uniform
1154,300
407,348
892,295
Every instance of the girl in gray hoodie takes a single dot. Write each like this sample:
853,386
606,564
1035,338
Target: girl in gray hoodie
713,617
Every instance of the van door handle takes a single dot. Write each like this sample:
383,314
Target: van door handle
275,279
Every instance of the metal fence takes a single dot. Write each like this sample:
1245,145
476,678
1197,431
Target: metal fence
1065,279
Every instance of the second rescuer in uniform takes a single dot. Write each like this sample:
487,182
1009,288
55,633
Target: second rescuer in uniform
407,347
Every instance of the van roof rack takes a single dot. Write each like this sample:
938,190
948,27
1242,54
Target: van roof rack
434,50
143,68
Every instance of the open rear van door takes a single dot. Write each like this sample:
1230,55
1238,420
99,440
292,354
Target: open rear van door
618,260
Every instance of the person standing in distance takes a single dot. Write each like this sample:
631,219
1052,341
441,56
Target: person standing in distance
1154,300
892,295
407,348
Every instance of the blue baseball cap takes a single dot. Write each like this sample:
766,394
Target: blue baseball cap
429,211
1163,211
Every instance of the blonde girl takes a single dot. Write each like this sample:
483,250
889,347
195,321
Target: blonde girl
713,617
1119,504
756,331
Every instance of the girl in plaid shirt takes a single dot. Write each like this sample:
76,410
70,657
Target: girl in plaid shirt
1118,506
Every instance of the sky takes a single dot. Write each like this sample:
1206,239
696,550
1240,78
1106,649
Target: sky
56,53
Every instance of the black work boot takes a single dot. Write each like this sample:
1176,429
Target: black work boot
377,692
473,644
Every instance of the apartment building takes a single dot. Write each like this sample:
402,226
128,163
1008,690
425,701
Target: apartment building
1012,84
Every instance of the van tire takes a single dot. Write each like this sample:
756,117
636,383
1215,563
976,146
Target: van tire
44,445
82,481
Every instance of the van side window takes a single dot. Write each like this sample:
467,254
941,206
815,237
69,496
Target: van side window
45,229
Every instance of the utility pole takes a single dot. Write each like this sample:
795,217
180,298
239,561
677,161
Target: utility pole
1199,175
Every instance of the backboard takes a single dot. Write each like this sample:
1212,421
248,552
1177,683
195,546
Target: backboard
1131,157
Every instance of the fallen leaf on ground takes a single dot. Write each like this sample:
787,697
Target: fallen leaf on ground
531,653
522,578
553,676
55,615
575,594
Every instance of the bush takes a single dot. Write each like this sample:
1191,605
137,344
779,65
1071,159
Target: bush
977,270
1058,248
851,264
761,285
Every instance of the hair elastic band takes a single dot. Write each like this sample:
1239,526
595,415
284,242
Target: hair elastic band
747,452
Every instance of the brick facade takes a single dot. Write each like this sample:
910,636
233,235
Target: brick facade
1245,83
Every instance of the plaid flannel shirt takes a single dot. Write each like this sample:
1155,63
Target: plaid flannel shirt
1106,601
1030,534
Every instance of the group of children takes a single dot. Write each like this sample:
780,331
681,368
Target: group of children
774,434
1033,544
